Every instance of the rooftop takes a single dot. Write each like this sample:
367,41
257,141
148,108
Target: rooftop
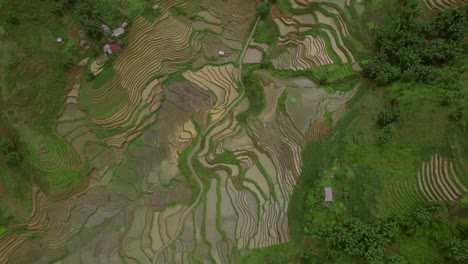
328,194
118,31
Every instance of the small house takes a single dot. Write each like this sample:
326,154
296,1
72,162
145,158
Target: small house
118,31
156,7
105,28
124,24
328,194
107,49
59,40
221,53
111,48
115,47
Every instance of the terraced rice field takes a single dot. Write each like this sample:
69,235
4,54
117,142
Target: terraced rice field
401,197
312,39
304,54
439,5
172,175
439,180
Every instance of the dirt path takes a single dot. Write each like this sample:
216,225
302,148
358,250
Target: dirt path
198,144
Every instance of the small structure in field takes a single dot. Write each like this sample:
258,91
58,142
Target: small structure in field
105,28
118,31
59,40
110,48
124,24
156,7
84,44
221,53
328,194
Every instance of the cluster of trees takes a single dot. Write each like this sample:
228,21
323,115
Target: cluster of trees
356,238
385,120
456,250
265,8
8,149
409,47
91,14
254,92
372,241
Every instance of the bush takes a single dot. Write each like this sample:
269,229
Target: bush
381,71
13,158
264,9
456,250
410,45
365,240
6,146
385,135
388,116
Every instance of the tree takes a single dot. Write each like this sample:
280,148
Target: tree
410,46
388,116
6,146
456,250
13,158
12,18
380,70
264,9
91,27
356,238
385,135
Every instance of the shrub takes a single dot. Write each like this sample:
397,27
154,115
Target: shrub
6,146
385,135
358,239
264,9
456,250
13,158
410,45
388,116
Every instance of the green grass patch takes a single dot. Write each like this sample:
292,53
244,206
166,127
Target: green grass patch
106,74
267,32
280,254
418,250
175,78
325,75
296,211
226,157
133,8
254,92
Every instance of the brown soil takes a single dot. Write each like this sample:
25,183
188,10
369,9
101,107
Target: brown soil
2,191
4,132
317,131
276,13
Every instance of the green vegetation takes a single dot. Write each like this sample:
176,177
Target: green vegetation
264,10
410,46
9,151
371,157
374,151
267,31
254,92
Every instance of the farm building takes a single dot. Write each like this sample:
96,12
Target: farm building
110,48
328,194
105,28
59,40
118,31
